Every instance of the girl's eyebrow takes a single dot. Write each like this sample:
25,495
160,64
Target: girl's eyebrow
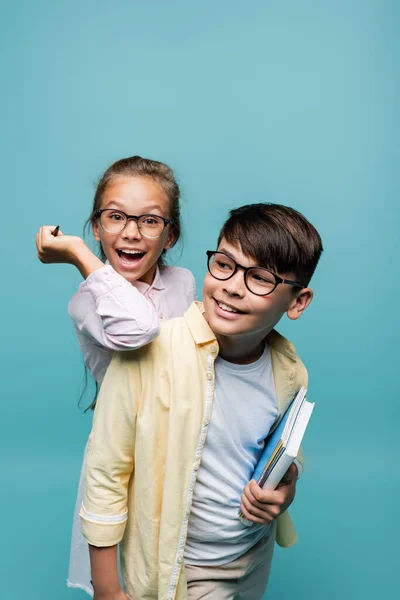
120,204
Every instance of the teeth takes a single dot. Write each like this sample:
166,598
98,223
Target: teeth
131,251
228,308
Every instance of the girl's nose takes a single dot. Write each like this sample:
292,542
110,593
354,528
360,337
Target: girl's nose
131,230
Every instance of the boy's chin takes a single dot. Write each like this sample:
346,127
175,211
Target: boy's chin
222,327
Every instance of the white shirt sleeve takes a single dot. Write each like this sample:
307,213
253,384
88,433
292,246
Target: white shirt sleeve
191,288
111,312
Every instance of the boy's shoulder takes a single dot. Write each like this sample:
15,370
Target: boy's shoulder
284,352
281,344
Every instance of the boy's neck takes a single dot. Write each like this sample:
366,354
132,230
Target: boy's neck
240,351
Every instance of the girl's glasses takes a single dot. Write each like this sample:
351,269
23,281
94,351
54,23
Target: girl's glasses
259,281
114,221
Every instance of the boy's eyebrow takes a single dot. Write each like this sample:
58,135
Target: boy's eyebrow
222,249
232,257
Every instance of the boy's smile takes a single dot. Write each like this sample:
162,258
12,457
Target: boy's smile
240,319
228,311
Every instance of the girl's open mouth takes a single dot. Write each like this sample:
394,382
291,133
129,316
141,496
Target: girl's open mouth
130,258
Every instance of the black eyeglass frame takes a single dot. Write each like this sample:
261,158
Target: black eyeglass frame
100,211
278,280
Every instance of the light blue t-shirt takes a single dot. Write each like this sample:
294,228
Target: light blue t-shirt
244,410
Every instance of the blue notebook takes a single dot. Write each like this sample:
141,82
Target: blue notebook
282,446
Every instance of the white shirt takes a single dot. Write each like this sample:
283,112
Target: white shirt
109,313
244,410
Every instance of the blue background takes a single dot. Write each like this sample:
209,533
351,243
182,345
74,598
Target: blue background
293,102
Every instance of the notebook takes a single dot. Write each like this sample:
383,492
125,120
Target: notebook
282,446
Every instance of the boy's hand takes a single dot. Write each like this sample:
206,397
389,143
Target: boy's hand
263,506
113,596
59,249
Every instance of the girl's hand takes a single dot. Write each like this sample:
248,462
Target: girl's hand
59,249
263,506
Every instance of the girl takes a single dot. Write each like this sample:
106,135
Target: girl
136,219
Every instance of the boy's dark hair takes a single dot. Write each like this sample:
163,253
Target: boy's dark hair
277,237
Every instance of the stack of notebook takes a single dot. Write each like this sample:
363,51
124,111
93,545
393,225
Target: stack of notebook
282,446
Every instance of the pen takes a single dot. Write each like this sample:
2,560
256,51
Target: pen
55,231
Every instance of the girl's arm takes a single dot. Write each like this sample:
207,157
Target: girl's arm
107,311
110,312
68,249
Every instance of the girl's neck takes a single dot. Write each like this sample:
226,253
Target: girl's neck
148,277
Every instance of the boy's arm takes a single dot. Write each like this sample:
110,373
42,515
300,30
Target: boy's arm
263,506
109,466
105,577
299,462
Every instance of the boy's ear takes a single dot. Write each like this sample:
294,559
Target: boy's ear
95,229
299,303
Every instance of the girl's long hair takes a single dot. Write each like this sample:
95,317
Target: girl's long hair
136,166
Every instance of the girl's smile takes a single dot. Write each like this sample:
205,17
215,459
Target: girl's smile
130,258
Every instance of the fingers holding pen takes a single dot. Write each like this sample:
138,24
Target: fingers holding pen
55,247
43,237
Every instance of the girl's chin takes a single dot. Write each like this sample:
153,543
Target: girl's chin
135,272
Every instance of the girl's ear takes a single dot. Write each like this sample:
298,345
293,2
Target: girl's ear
170,240
96,230
299,303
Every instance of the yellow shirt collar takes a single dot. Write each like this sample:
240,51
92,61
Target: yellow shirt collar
203,334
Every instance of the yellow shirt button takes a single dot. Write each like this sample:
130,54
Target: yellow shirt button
213,349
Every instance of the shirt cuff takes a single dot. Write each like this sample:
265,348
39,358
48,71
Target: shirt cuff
102,531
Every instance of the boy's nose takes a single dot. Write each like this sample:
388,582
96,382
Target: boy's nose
131,231
235,286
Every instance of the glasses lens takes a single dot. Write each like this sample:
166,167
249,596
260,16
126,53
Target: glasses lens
221,266
260,281
151,226
112,221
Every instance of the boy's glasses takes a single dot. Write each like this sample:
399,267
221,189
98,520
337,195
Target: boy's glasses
114,221
259,281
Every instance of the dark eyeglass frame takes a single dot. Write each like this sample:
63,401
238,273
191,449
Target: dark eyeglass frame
100,211
278,280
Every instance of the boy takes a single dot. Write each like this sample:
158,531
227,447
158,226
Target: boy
180,424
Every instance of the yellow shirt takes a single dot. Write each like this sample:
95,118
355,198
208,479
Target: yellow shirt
149,430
